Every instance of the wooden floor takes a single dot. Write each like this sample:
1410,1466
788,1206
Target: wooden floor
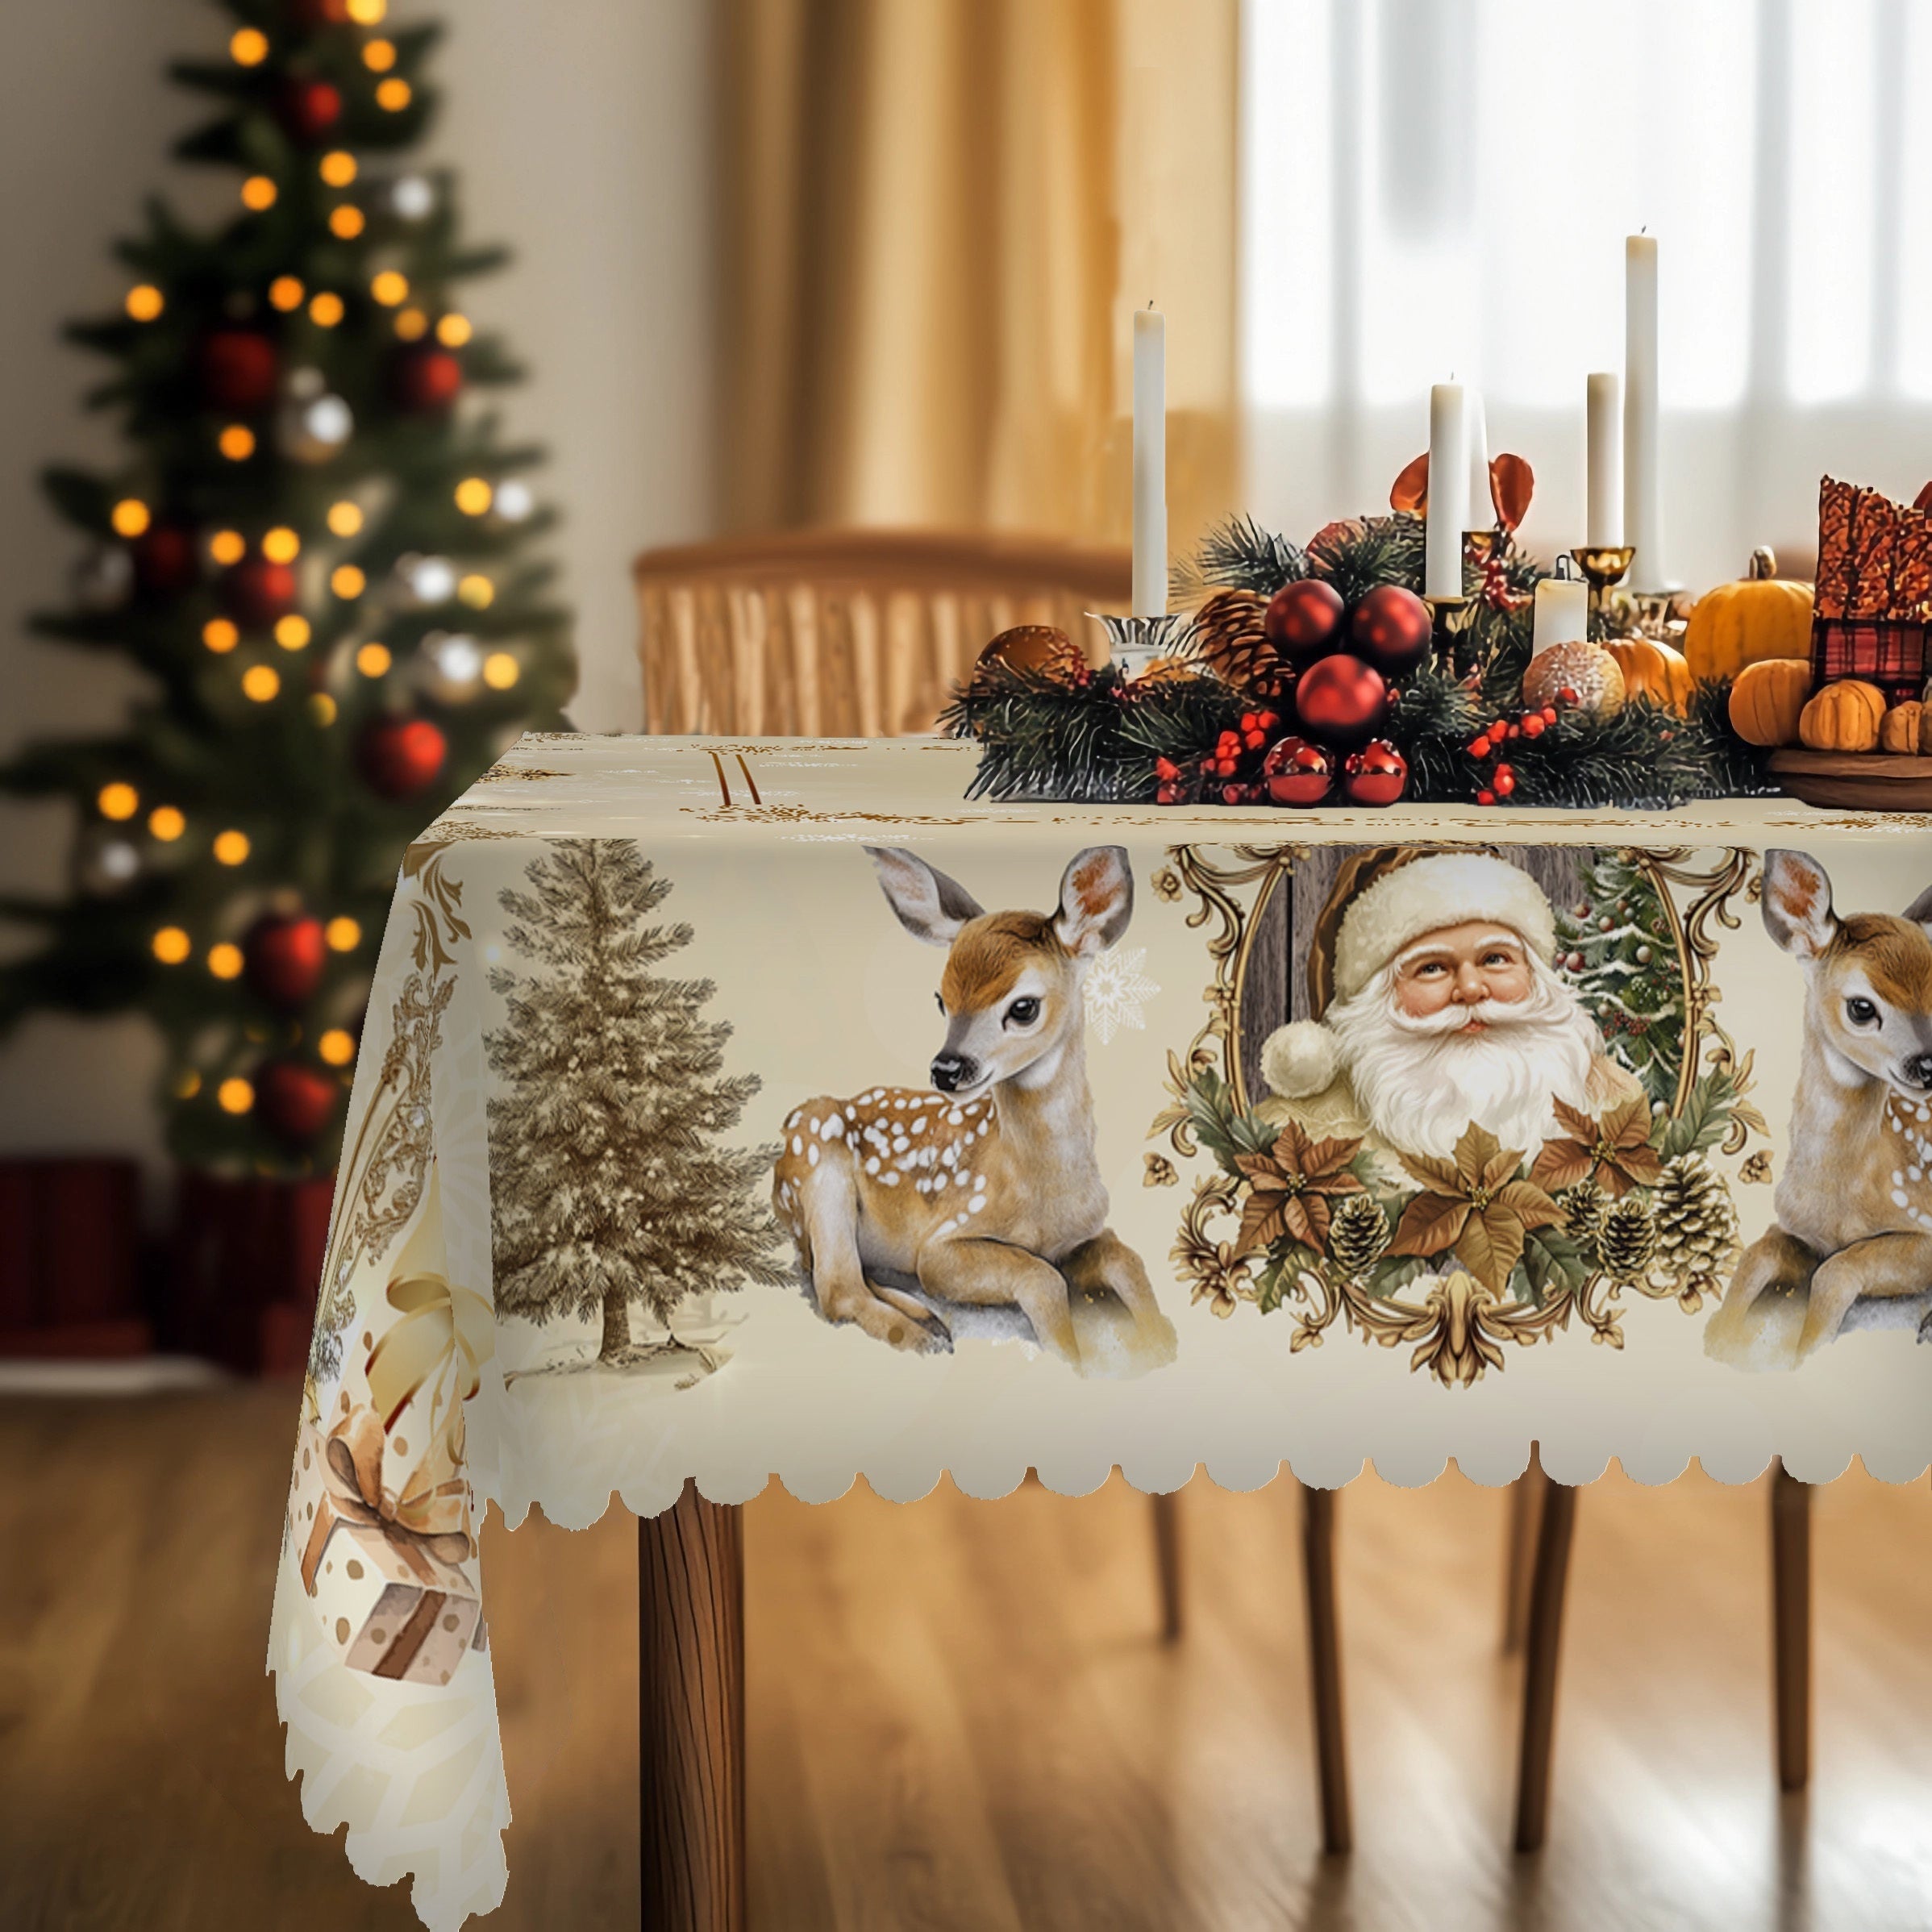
960,1717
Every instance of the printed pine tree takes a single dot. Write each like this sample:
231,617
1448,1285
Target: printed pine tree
1616,944
610,1188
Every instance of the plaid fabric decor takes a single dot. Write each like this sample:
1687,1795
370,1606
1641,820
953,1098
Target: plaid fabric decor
1893,656
1874,597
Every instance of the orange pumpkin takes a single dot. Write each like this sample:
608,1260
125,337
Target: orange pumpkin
1843,717
1654,671
1898,731
1767,699
1759,617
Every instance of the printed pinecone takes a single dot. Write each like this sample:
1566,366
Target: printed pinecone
1227,636
1626,1239
1584,1207
1358,1235
1696,1224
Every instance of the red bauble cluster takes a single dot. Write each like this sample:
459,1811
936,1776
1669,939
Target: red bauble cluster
295,1101
1337,667
165,562
284,957
401,756
1489,746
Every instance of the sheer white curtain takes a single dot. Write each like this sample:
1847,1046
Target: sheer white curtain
1438,187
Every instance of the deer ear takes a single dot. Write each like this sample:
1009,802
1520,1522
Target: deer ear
1919,912
931,906
1096,901
1797,904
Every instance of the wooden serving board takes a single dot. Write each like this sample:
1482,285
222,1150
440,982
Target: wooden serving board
1886,781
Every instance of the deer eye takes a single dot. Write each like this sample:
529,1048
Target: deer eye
1023,1012
1861,1012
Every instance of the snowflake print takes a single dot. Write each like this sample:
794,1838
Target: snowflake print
1118,992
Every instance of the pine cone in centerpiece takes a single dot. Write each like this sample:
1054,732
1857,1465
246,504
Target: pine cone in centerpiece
1627,1238
1228,636
1358,1235
1696,1224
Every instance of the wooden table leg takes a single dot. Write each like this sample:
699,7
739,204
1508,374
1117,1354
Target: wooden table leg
1526,1498
1791,1624
1325,1666
1167,1556
690,1647
1543,1640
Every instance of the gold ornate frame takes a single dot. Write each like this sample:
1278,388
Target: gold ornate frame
1457,1330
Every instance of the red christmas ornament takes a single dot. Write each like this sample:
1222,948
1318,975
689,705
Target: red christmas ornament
1303,621
257,592
239,371
401,756
1391,628
1378,774
425,379
294,1101
283,955
164,560
308,109
319,13
1297,772
1341,700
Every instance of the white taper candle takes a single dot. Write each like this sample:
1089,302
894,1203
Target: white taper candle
1603,432
1150,464
1642,460
1448,491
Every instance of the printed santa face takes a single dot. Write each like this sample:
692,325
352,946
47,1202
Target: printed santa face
1448,1011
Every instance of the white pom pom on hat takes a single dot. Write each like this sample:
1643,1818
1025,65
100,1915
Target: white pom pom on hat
1300,1060
1447,888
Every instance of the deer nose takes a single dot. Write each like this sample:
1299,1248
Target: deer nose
953,1071
1918,1070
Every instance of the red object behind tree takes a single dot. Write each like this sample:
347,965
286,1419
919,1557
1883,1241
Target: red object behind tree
425,379
238,370
247,1256
70,1243
285,956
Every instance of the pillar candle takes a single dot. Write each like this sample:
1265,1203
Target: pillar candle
1643,503
1603,514
1482,512
1448,491
1150,464
1563,613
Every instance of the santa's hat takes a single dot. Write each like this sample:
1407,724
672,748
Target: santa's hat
1382,903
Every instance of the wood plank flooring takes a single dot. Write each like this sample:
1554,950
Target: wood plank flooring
961,1716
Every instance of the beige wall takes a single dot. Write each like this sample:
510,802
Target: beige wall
582,136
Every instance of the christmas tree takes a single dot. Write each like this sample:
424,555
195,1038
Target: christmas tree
607,1187
1617,942
318,555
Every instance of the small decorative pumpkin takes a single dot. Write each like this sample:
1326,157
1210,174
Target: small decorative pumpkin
1767,699
1588,670
1843,717
1653,670
1899,730
1760,616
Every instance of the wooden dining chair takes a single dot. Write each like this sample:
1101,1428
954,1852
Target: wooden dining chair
863,633
1542,1527
849,633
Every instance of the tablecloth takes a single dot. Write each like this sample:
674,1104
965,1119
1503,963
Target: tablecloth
727,1109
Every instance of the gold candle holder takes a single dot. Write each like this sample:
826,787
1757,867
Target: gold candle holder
1449,618
1602,565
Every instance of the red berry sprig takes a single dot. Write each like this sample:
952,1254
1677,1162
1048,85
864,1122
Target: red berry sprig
1491,741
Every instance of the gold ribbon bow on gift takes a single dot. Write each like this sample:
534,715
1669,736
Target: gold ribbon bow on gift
429,1517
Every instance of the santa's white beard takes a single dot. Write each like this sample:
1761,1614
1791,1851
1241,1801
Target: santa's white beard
1421,1081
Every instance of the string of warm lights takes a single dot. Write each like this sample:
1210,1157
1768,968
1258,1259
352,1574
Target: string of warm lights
369,613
